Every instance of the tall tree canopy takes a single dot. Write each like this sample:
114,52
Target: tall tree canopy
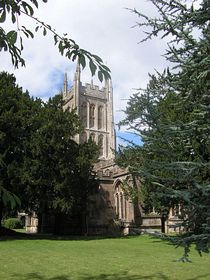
40,163
58,172
172,116
16,125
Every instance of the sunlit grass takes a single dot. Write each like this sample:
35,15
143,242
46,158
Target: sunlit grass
131,258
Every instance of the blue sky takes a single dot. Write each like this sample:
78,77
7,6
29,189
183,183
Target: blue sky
123,138
103,28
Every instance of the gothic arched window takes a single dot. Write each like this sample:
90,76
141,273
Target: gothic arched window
101,145
107,146
100,117
117,204
125,207
121,202
92,115
93,137
84,114
121,205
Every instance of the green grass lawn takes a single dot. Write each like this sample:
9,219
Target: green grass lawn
131,258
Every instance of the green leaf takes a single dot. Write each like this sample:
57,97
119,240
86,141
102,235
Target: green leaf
61,47
12,37
27,8
9,198
97,58
92,67
35,3
49,27
27,32
106,75
100,76
82,61
3,16
21,43
74,56
106,68
30,33
13,18
4,198
55,39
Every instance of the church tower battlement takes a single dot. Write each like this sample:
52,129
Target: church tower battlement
94,106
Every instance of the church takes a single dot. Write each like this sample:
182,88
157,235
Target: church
110,210
94,105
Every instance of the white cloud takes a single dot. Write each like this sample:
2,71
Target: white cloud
102,27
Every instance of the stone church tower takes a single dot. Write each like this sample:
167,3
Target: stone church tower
94,106
110,210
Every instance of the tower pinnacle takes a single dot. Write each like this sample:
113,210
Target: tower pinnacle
65,87
77,73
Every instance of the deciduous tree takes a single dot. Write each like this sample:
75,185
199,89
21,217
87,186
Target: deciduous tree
40,163
58,172
16,114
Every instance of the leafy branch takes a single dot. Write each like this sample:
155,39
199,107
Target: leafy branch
66,46
8,198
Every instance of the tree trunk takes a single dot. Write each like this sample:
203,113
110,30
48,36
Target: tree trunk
163,221
59,224
39,223
86,224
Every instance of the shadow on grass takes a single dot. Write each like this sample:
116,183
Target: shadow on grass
116,276
164,238
10,235
57,237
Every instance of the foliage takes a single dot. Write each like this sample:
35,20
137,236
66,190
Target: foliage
41,164
115,228
16,109
172,118
8,198
12,223
57,168
12,41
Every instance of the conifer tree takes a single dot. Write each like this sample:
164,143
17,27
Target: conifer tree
172,116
